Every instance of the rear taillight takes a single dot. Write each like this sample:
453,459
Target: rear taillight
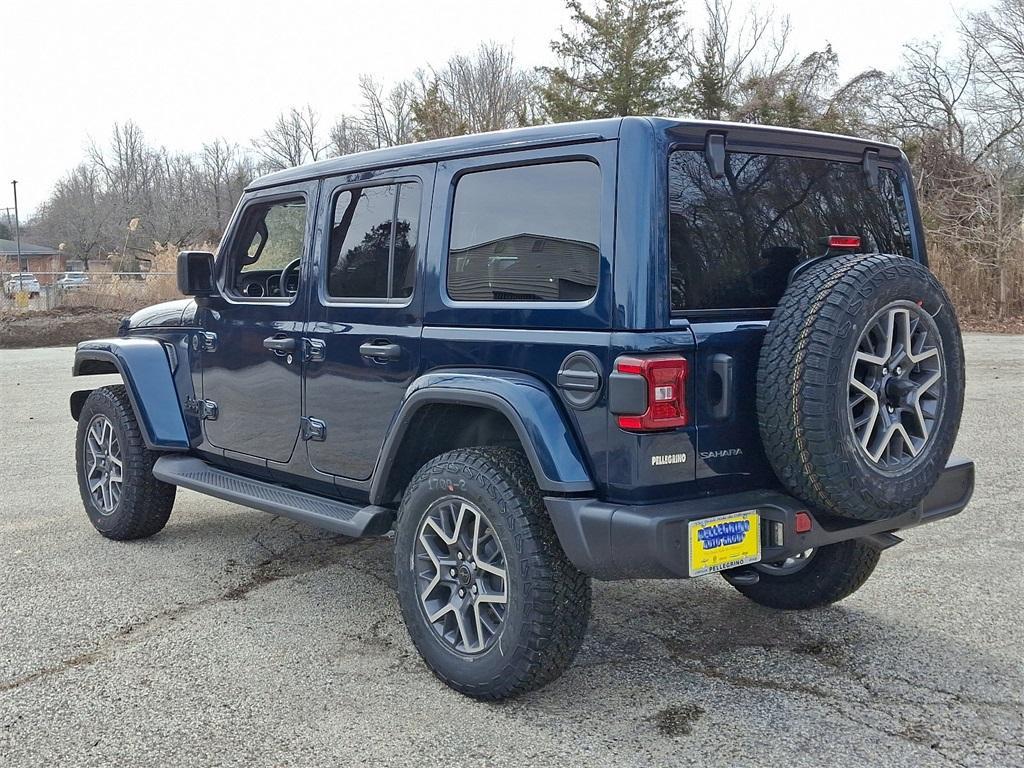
665,377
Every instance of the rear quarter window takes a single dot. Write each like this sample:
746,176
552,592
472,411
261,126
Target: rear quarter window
527,233
734,240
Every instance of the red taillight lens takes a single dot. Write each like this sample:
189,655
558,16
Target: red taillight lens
843,241
666,392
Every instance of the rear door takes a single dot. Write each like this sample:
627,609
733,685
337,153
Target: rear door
363,335
733,242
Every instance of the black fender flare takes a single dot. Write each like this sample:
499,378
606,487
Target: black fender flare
146,372
530,407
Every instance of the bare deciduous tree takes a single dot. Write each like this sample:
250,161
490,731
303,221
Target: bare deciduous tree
387,118
485,91
957,109
960,116
727,58
294,139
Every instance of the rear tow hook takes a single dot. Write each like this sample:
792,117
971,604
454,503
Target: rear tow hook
741,577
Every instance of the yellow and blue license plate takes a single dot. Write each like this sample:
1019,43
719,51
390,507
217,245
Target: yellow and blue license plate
727,541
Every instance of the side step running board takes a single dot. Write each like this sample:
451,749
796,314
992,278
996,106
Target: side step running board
348,519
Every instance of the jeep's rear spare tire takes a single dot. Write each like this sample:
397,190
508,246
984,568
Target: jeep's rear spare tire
860,385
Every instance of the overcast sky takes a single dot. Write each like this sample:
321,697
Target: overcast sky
190,70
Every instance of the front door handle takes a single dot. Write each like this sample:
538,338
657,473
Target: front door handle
279,345
380,351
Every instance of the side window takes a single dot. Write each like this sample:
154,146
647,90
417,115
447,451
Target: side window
528,233
270,238
372,253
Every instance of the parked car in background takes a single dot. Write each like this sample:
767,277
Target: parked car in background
72,280
21,282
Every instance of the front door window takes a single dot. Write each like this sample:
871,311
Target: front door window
268,250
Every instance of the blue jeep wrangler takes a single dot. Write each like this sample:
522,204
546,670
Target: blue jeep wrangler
629,348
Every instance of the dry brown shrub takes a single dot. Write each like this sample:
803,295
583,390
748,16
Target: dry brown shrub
131,292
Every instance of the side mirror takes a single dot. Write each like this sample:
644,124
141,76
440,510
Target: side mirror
195,273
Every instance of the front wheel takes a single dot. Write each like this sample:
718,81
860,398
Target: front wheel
115,469
490,600
814,578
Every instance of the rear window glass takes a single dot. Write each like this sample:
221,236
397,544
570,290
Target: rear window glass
734,240
528,233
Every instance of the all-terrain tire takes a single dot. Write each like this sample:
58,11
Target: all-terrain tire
832,573
145,503
548,600
803,385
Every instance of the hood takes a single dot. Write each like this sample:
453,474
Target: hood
169,314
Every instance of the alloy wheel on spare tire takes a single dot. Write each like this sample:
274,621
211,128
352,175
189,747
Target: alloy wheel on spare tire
860,385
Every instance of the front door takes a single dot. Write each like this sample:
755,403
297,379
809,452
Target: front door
364,322
251,353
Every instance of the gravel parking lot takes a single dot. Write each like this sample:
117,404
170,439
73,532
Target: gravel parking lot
237,638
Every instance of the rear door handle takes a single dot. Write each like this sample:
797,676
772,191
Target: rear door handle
279,345
381,351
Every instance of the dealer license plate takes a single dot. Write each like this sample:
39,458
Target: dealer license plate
727,541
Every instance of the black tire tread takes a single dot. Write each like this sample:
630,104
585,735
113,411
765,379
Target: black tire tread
835,573
799,429
558,596
146,502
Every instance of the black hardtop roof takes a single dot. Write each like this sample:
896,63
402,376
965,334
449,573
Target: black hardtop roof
551,135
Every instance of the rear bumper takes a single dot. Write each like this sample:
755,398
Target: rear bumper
610,541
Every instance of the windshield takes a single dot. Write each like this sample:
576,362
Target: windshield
734,240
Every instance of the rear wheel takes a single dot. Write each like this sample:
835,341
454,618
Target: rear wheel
115,469
814,578
489,598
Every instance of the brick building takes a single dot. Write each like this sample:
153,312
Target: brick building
44,262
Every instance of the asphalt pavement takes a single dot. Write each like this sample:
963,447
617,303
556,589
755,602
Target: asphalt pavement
237,638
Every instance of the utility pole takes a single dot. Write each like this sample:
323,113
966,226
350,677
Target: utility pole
17,237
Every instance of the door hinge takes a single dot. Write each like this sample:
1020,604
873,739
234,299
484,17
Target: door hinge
314,429
204,409
313,350
207,341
